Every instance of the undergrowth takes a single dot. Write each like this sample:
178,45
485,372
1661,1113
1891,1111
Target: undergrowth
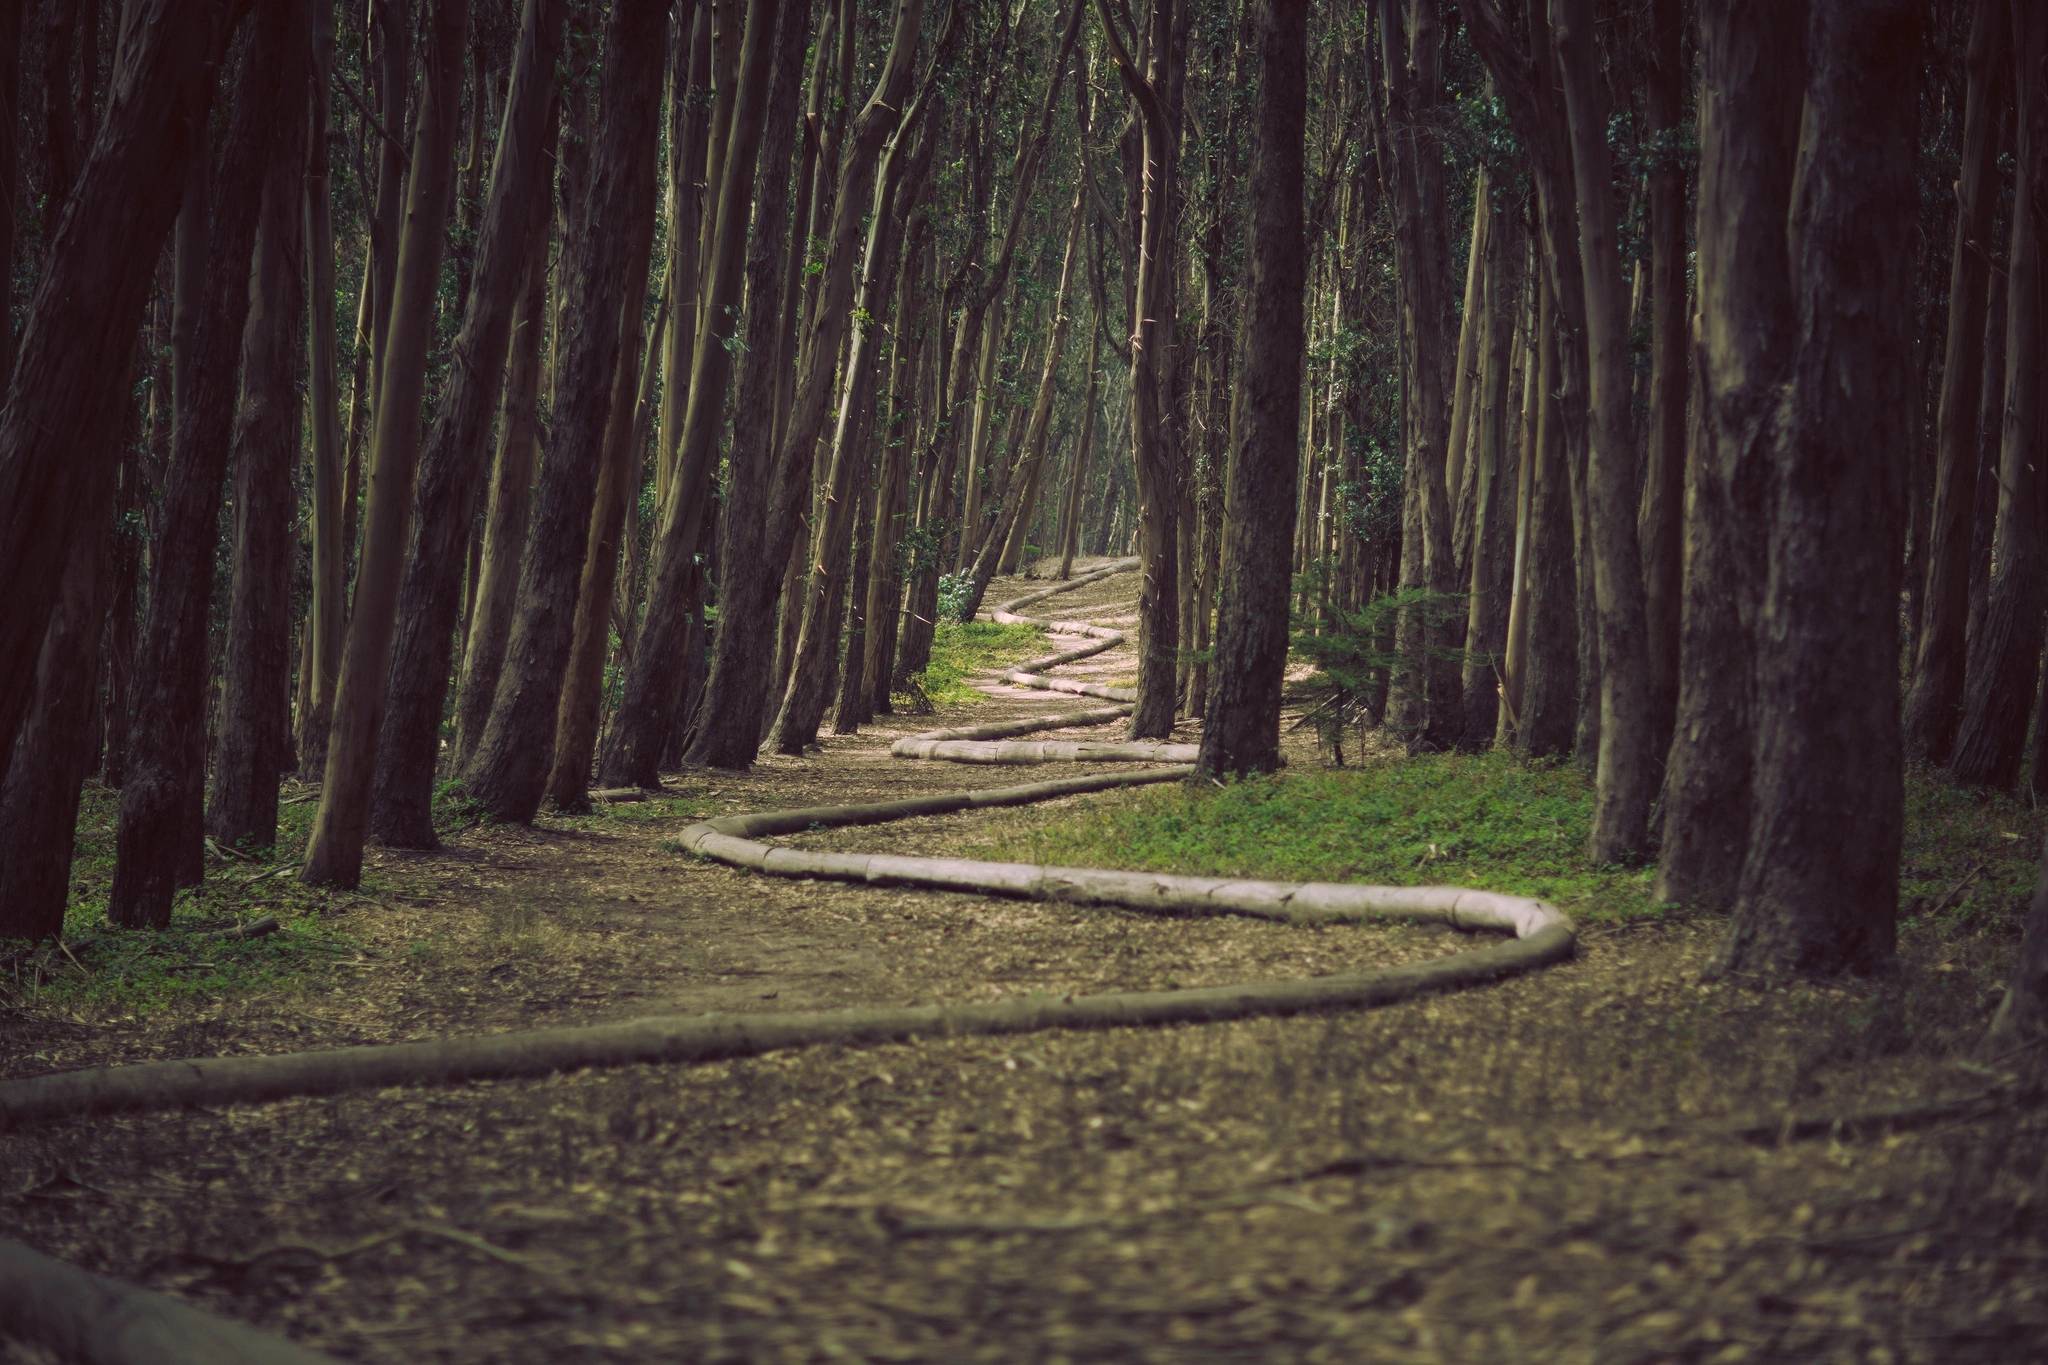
1485,820
962,648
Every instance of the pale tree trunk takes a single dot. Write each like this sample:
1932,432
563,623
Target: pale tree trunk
63,418
689,142
803,704
255,722
774,276
1077,470
511,497
334,853
892,513
513,233
1750,100
158,843
1492,481
327,613
1152,443
1515,652
507,775
390,41
2004,659
1820,884
1661,518
1934,705
1241,728
652,698
1630,756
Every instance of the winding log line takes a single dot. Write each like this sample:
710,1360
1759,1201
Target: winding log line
1539,935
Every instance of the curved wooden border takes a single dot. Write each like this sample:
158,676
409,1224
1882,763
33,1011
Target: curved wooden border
1539,935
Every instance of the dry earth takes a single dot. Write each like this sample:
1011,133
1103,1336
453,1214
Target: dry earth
1541,1170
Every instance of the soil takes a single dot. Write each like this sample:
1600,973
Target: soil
1539,1170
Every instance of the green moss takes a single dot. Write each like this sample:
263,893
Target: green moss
962,648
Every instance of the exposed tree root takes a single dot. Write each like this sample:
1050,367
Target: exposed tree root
81,1316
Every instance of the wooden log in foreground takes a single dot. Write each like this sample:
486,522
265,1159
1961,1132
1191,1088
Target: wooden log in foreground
81,1316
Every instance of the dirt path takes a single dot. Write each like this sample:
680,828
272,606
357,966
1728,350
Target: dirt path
1525,1172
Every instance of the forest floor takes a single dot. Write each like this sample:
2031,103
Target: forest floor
1547,1169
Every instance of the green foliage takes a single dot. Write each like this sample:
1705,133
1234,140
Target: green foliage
962,648
1485,820
953,591
1351,649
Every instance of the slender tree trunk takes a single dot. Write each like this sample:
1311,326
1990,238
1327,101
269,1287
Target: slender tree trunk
390,42
1934,705
618,484
158,844
408,742
649,708
689,141
10,174
1550,688
892,512
1820,885
255,722
1631,755
1241,730
327,615
1754,65
1492,482
2005,653
1661,519
511,497
508,773
334,854
1077,470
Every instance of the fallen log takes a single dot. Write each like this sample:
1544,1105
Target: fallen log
80,1316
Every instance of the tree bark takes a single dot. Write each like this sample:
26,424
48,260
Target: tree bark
334,853
1820,883
649,708
158,844
1492,483
1754,64
62,418
1241,729
327,613
255,721
408,744
2004,658
508,773
1934,705
1630,757
10,175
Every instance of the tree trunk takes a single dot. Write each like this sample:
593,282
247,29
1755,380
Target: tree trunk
892,511
649,709
1492,481
2005,654
390,28
1661,519
334,853
327,613
1934,705
1820,884
1630,761
508,773
511,497
10,175
255,720
158,844
618,485
62,418
1754,66
689,143
514,233
1241,729
1550,687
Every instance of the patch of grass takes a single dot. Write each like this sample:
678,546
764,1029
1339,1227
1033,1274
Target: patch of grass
101,967
1484,820
960,648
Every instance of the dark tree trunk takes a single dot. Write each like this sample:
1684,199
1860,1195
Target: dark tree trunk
10,174
1820,884
1749,117
255,721
158,842
450,472
1241,731
508,772
1492,479
1550,685
63,419
2005,653
1933,706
